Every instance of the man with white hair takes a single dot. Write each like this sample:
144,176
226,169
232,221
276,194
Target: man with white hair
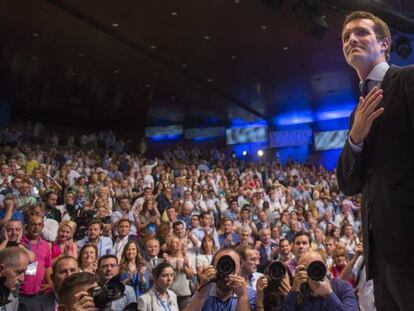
345,215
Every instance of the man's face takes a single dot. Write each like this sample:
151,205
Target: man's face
228,226
360,45
108,268
195,222
94,231
4,170
171,213
153,248
35,226
52,200
123,229
265,236
284,247
179,231
244,237
14,273
13,230
301,245
70,199
206,220
25,189
249,264
124,205
330,246
65,268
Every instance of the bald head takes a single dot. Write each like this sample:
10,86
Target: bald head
310,257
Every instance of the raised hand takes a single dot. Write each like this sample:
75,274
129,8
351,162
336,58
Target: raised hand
365,115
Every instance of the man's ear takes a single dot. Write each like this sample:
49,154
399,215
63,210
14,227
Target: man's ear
385,44
2,269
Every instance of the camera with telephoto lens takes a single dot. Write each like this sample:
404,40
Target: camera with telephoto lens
275,273
317,272
111,291
225,267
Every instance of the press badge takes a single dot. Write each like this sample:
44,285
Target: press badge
32,268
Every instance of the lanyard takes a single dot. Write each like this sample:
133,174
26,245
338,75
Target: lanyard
166,306
30,245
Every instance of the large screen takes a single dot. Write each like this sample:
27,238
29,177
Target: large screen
279,139
250,134
204,132
163,131
330,140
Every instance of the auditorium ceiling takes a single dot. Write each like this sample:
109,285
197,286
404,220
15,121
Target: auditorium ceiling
134,63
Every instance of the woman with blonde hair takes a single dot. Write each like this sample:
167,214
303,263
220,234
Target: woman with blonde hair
132,268
64,244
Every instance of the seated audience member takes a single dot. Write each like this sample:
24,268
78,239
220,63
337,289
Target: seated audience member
160,297
103,243
88,258
286,256
13,264
73,294
123,237
249,259
37,277
226,292
321,295
229,237
132,269
179,260
268,251
108,268
152,250
124,212
64,244
301,244
205,256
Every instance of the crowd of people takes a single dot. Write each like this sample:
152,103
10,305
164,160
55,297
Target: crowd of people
76,221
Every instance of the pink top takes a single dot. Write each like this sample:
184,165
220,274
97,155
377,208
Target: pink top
56,250
32,283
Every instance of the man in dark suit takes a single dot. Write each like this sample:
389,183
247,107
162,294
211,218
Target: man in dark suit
378,159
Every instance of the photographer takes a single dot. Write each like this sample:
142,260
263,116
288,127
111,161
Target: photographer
222,286
13,264
73,293
272,288
108,268
308,294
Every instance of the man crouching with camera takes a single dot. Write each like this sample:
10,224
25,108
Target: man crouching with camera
222,286
313,290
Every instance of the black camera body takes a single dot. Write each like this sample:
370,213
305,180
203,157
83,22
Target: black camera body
275,273
316,272
112,290
225,267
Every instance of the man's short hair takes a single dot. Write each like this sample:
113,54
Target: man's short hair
177,223
381,29
107,256
242,250
11,255
95,221
59,260
302,233
283,240
124,220
69,285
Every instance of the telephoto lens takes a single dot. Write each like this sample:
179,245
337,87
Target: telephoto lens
111,291
225,266
317,270
275,273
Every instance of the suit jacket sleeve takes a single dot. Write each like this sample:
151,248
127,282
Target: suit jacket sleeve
349,169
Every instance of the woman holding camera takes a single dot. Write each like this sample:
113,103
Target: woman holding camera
160,297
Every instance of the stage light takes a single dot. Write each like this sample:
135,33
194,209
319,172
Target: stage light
244,153
403,47
260,153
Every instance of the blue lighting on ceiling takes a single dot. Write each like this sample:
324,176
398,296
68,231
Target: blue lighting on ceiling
293,118
235,122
